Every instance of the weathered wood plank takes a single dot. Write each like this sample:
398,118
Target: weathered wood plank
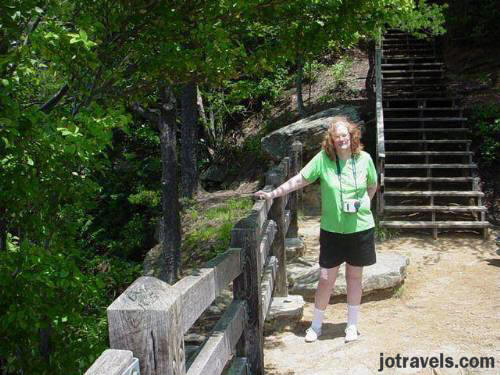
424,153
435,224
260,209
277,214
267,240
111,362
440,165
429,179
238,367
435,193
428,141
268,280
147,320
436,208
247,287
423,130
200,290
220,345
419,119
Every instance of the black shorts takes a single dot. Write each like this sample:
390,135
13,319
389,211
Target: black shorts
357,249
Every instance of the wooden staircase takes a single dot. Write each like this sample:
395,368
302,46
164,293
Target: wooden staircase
428,177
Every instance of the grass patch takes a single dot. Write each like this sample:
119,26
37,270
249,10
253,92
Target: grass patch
384,234
398,291
208,231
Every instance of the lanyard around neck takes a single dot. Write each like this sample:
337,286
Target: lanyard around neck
339,173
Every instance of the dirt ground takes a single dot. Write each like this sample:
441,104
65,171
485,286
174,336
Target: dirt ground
449,304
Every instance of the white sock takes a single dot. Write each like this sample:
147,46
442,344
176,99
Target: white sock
352,314
317,319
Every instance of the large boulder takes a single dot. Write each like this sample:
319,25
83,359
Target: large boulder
389,272
309,131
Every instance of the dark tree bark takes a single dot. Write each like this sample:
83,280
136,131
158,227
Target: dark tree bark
47,107
189,173
45,344
370,78
298,84
171,224
3,231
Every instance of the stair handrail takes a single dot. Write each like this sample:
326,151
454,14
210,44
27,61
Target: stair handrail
380,147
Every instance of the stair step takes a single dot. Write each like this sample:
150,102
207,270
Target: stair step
428,179
414,64
435,208
410,78
434,193
411,85
419,119
408,58
423,130
435,99
402,39
421,109
392,48
424,153
430,166
428,141
403,43
412,94
435,224
412,71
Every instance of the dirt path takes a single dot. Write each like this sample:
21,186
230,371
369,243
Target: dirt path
450,304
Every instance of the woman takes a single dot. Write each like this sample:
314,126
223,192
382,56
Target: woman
348,183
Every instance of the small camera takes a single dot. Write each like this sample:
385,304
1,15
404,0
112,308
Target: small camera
351,205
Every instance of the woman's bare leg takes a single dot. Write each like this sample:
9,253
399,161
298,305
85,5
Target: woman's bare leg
353,276
326,282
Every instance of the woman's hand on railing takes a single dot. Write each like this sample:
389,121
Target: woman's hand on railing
263,195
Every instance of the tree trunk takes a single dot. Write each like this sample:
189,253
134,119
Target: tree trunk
171,224
370,78
3,231
45,346
298,83
188,140
201,107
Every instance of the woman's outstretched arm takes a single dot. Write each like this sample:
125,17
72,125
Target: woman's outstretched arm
295,183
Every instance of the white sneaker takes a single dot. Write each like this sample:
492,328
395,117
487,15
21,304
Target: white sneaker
312,335
351,333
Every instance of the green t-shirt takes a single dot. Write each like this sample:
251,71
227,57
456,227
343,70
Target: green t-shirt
333,219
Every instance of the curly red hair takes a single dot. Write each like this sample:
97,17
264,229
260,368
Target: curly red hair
328,144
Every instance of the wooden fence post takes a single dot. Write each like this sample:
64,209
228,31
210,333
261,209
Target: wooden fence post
146,320
247,287
295,152
276,177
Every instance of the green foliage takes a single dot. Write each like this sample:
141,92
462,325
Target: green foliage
312,69
148,198
210,234
42,288
340,68
485,126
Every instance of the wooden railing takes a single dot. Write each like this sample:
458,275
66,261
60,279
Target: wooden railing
380,126
148,321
